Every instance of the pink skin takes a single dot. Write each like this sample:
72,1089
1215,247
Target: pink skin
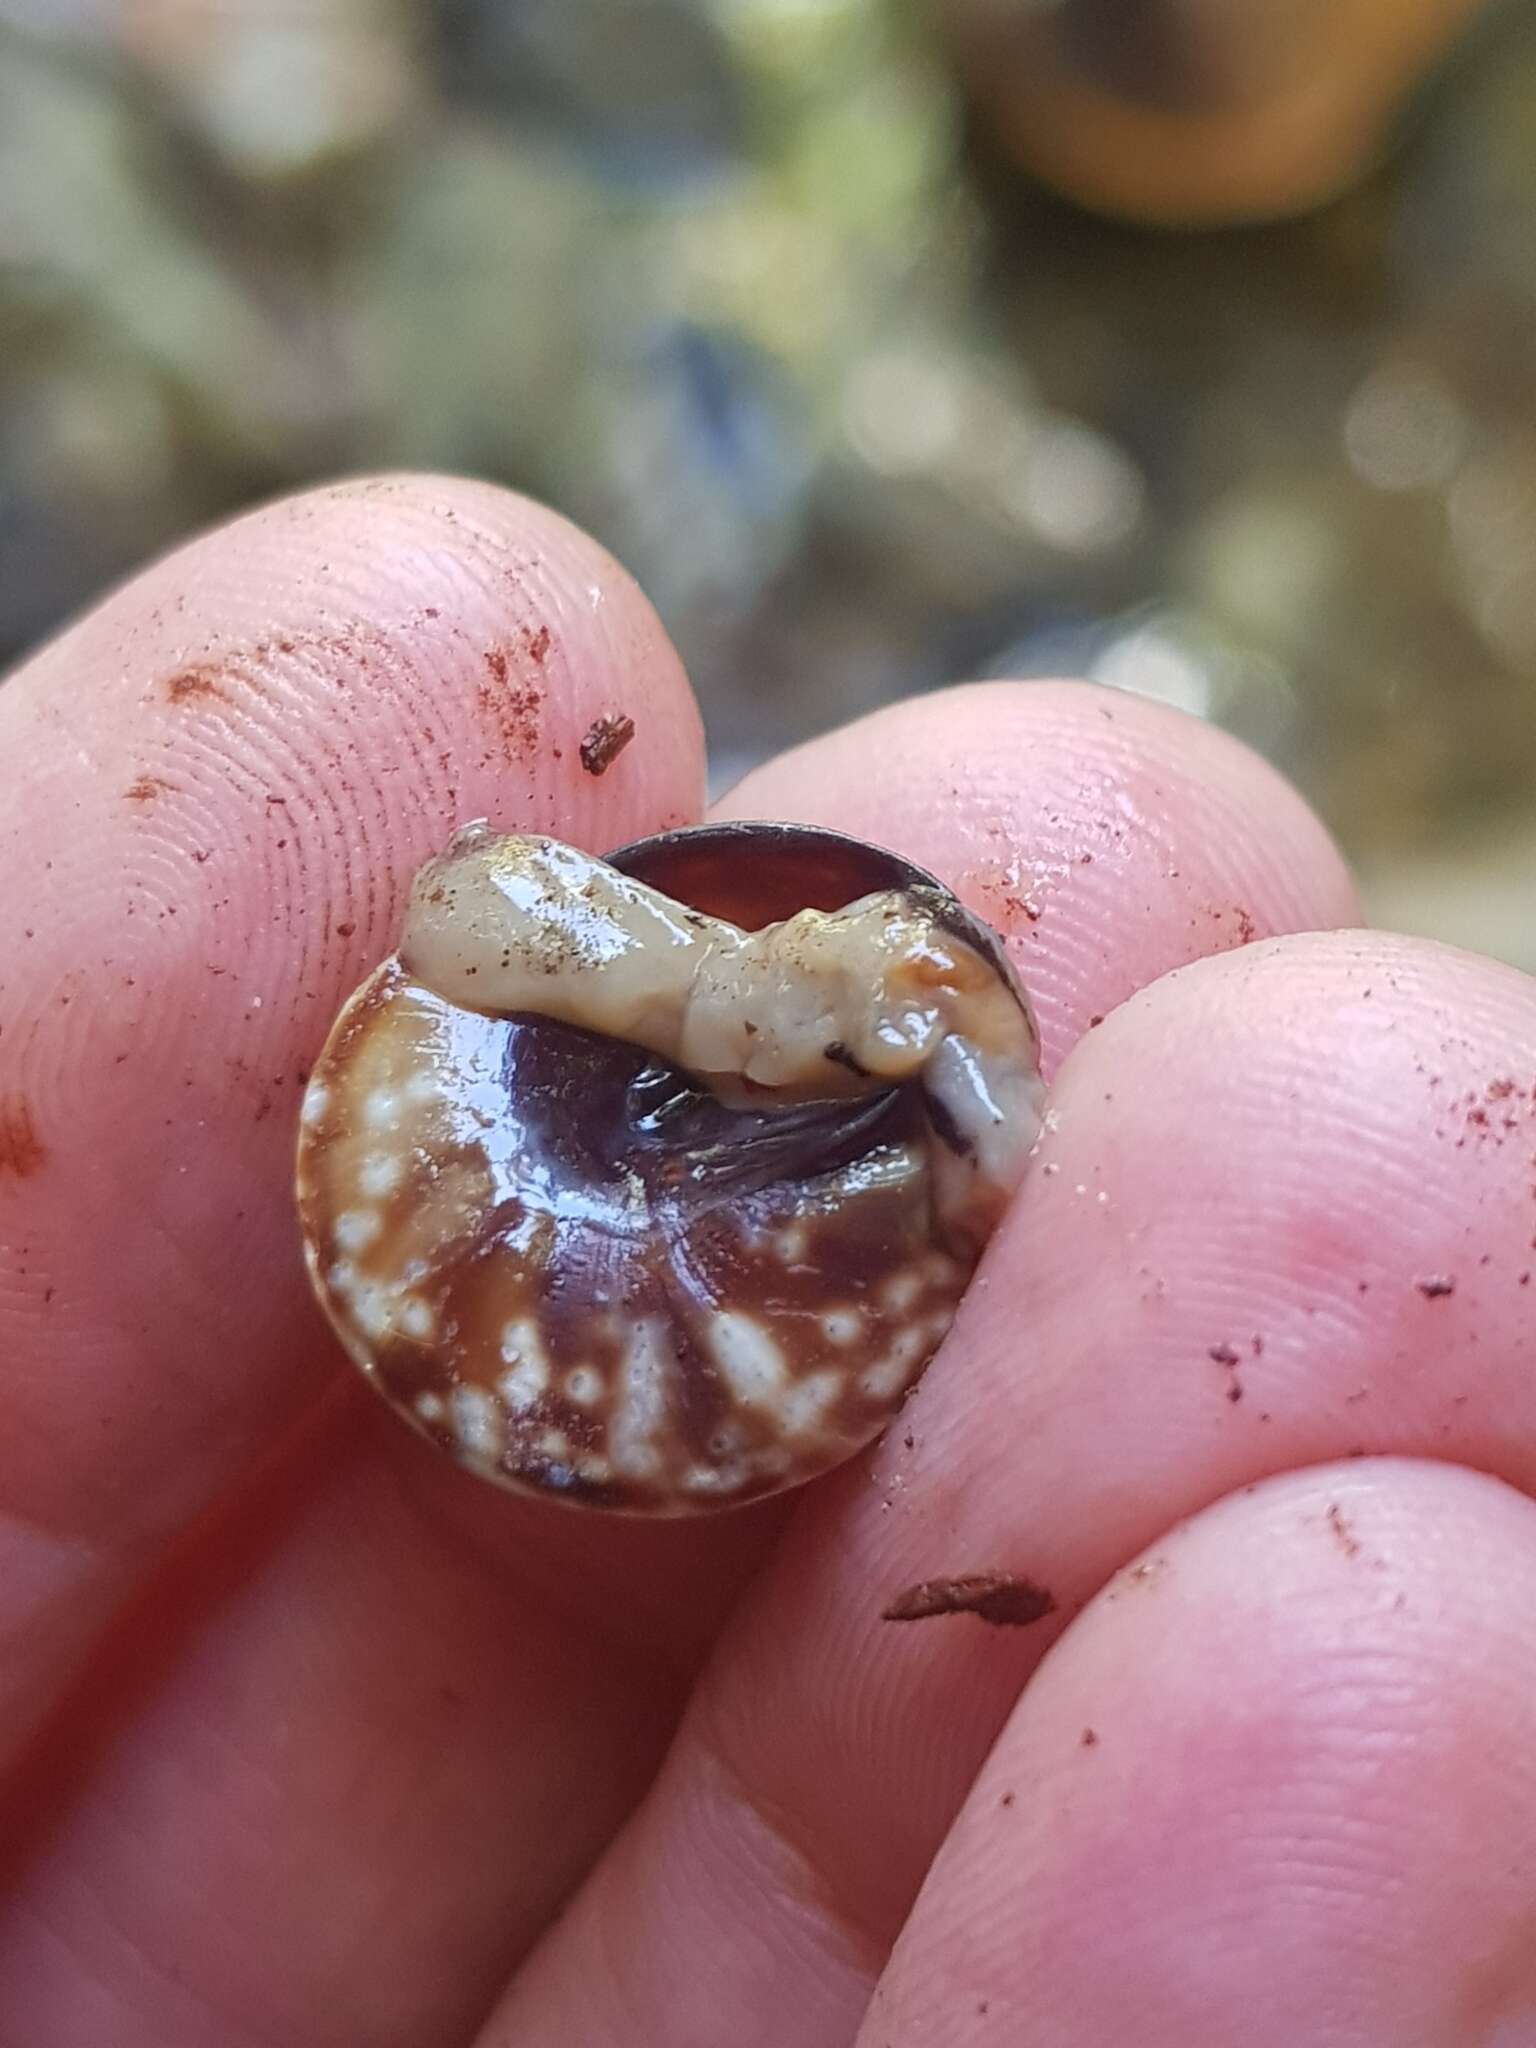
311,1737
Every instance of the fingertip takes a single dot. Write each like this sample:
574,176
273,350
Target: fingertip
1276,1772
230,769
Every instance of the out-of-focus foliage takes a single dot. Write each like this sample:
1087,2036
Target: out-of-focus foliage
714,276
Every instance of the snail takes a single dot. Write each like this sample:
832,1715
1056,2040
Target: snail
651,1183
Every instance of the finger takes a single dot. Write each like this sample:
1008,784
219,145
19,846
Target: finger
1108,839
1274,1786
219,781
1297,1145
773,1860
384,1750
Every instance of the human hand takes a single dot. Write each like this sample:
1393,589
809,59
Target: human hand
310,1738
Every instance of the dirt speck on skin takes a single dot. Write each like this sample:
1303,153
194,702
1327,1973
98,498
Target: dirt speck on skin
1005,1599
1007,1799
539,645
514,709
1227,1357
1090,1738
605,739
22,1151
145,788
1343,1534
200,681
1435,1287
345,929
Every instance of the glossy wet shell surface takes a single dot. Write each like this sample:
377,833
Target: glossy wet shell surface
580,1274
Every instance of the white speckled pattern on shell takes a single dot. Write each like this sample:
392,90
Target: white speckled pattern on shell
578,1274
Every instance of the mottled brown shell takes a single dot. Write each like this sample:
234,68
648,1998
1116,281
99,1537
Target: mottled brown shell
581,1274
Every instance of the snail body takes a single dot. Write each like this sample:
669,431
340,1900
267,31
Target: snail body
652,1182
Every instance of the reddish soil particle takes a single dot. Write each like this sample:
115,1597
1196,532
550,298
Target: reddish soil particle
1500,1091
1006,1599
539,645
513,708
201,680
1090,1738
1247,930
1013,907
1435,1287
145,789
345,931
1095,1022
604,741
1227,1357
22,1152
1344,1535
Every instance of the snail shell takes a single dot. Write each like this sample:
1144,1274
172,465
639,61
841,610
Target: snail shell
590,1267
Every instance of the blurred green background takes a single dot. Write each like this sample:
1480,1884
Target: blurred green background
729,283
